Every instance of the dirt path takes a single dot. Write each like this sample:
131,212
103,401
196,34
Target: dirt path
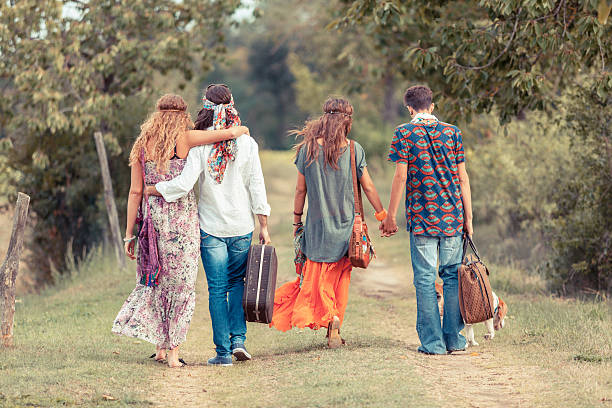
473,378
485,377
476,378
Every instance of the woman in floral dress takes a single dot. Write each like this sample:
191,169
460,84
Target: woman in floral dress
161,314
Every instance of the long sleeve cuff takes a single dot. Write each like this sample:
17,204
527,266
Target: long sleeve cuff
262,209
170,193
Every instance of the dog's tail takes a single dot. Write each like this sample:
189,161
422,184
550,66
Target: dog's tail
502,310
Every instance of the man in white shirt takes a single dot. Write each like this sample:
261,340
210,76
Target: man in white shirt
231,190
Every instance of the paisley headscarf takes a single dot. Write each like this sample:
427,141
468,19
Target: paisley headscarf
224,117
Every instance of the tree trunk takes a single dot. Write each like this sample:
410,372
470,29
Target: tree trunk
389,112
9,269
109,200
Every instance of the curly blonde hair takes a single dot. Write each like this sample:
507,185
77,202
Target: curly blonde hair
161,130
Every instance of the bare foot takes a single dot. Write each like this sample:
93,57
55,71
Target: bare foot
173,359
161,354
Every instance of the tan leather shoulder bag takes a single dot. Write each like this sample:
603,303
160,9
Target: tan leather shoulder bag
360,249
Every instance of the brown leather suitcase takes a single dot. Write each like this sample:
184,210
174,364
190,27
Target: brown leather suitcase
475,295
260,284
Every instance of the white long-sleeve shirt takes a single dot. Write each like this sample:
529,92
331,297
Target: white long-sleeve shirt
226,209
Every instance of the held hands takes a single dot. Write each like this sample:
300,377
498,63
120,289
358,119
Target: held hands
238,131
388,227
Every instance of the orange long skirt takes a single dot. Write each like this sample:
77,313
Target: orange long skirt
323,295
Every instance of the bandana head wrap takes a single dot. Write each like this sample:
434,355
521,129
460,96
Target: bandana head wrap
224,117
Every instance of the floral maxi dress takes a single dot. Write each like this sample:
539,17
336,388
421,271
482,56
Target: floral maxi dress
161,315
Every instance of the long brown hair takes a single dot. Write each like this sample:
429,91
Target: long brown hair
333,126
162,129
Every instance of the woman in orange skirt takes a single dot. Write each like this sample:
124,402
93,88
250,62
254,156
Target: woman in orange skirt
318,297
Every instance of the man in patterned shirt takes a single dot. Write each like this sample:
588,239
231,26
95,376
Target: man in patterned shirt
430,162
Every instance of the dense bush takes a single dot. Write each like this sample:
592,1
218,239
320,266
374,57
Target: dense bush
543,193
70,68
580,228
512,179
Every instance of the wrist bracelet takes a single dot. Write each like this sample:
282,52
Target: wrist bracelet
298,224
381,215
129,239
298,214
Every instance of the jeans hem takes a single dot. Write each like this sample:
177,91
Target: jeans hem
425,351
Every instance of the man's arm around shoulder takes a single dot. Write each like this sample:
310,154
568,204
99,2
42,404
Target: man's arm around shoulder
181,185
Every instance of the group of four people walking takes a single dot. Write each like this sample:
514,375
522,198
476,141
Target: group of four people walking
171,154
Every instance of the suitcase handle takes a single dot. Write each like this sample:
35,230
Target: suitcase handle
263,250
468,240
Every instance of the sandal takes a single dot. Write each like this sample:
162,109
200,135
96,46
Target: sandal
181,362
159,360
333,333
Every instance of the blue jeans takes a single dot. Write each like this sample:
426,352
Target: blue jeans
437,337
224,262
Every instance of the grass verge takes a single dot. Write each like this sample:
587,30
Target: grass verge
65,353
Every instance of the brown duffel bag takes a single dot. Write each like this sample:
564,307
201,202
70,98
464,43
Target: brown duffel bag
475,295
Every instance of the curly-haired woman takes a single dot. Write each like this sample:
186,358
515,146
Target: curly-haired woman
231,192
318,298
161,314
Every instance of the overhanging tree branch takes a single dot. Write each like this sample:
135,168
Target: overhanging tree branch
488,64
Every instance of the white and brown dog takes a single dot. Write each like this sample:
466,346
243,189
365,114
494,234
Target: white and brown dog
495,323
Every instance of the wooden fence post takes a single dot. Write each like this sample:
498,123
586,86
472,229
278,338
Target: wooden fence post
109,199
9,269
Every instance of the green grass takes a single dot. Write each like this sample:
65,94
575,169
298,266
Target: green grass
559,351
571,340
65,353
295,369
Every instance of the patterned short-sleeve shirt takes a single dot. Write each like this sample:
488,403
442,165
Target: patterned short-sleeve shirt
432,150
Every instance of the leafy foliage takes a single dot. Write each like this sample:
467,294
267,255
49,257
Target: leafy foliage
580,229
273,86
511,54
70,68
542,195
510,57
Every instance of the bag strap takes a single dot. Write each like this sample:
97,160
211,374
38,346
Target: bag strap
468,240
356,185
144,182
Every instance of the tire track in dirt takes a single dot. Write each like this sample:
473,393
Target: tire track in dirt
478,377
472,378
